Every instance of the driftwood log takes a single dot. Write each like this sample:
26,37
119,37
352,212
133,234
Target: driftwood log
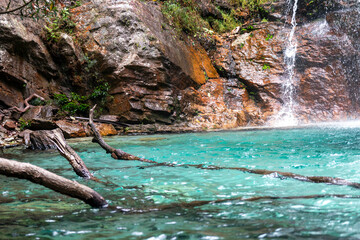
48,138
115,153
50,180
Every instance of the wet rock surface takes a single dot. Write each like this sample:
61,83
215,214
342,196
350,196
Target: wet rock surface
326,70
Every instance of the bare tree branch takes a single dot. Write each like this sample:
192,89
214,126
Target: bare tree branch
115,153
16,9
50,180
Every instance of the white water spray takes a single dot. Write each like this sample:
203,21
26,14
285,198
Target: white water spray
286,116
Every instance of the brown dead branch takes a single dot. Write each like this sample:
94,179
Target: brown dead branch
50,180
115,153
16,9
119,154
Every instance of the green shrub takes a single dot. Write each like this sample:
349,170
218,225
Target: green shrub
252,5
266,67
24,124
101,91
76,104
59,22
184,16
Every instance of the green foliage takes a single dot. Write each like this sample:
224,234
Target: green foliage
101,91
76,104
269,36
59,22
252,5
24,124
184,16
228,23
266,67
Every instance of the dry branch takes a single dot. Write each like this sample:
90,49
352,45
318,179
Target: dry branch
16,9
115,153
50,180
313,179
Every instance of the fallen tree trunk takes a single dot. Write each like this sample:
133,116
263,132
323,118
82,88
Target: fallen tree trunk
119,154
56,138
50,180
115,153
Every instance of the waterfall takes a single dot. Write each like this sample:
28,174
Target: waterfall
286,116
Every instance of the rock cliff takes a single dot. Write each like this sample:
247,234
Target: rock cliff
160,76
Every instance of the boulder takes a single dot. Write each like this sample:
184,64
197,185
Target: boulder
71,129
10,124
105,129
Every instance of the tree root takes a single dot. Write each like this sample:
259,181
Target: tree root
27,105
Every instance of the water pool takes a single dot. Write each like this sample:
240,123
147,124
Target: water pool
33,212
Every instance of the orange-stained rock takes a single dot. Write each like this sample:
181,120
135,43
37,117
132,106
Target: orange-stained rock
71,129
10,124
105,129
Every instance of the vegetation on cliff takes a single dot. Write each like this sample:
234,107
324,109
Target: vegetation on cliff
207,17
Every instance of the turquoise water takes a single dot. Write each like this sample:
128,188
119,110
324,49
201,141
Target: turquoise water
33,212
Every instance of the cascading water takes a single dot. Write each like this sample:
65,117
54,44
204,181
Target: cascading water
286,116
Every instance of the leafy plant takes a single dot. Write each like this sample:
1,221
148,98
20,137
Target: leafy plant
266,67
59,22
184,16
24,123
269,36
76,104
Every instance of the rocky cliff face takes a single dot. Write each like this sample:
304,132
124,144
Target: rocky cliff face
145,62
159,76
326,67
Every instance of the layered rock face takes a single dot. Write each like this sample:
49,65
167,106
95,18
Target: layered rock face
26,66
145,62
